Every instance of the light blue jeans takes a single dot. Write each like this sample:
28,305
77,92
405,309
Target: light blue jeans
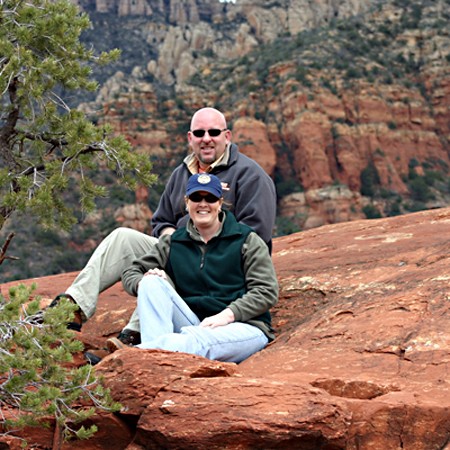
168,323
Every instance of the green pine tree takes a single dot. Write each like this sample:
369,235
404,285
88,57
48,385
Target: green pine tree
37,381
46,147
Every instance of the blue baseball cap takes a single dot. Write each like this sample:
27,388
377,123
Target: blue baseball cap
204,182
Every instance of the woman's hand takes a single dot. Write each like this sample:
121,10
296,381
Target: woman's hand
223,318
158,272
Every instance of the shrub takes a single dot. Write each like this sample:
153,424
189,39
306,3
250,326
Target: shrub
419,190
37,383
370,179
371,212
285,226
392,125
393,208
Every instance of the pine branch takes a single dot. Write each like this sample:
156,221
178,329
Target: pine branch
5,248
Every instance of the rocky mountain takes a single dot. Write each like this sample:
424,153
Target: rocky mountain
360,360
345,103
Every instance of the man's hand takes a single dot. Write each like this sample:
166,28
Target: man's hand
223,318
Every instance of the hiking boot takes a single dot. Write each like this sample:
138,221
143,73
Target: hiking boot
129,337
94,356
77,320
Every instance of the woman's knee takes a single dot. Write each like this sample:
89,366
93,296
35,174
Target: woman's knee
150,282
243,341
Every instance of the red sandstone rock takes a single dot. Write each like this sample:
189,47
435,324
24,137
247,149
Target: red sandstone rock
251,136
136,216
360,360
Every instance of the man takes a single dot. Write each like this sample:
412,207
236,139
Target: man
248,190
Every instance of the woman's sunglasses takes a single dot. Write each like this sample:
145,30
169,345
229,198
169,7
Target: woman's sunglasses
197,198
213,132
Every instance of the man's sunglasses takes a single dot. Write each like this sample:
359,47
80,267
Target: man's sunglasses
197,197
213,132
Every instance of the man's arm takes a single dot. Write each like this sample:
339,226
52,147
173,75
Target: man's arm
171,208
167,230
255,202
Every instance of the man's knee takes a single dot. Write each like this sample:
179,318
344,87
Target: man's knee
124,234
127,240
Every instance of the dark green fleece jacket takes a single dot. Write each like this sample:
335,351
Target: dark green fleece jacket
234,270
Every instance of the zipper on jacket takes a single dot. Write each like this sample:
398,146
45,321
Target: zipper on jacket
203,252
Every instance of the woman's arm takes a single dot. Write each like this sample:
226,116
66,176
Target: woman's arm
261,281
156,259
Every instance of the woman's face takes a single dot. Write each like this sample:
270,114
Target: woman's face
204,213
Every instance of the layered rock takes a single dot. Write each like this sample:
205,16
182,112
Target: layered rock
317,207
191,31
252,138
360,360
335,138
324,143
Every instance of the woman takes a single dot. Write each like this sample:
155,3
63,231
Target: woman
207,288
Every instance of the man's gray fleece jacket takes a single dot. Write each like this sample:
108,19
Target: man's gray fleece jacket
250,196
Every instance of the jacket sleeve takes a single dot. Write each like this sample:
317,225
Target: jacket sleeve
171,207
156,258
255,201
261,280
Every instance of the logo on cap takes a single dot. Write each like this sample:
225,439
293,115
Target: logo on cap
204,179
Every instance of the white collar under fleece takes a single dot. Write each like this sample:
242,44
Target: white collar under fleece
192,162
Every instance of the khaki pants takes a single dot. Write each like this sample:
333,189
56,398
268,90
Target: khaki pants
114,254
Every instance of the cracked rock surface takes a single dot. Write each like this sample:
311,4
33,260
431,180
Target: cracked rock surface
361,358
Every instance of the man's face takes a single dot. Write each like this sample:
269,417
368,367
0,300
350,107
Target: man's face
208,148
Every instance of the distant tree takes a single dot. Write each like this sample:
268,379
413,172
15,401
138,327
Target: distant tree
370,180
419,190
48,148
371,212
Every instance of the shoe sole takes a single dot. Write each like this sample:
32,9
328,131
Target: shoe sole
114,344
